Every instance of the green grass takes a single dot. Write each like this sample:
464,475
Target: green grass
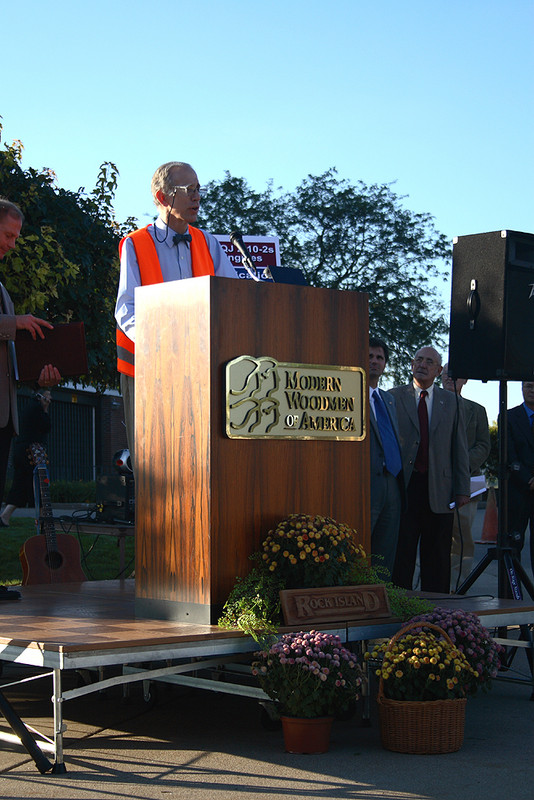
99,554
67,491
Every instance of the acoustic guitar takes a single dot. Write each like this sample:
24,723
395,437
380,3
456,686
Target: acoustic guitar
48,557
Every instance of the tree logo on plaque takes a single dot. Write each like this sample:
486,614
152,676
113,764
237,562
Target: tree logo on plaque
266,398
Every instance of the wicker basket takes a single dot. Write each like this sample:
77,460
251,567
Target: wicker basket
421,727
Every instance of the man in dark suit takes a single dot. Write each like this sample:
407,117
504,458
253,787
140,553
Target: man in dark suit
11,219
478,446
387,483
521,460
436,471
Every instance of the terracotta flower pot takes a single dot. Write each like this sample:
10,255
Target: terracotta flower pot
304,735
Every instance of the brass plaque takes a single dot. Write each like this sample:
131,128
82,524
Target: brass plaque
269,399
334,604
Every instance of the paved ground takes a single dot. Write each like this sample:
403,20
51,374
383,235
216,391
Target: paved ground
194,745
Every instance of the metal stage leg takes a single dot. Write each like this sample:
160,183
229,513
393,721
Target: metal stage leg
59,767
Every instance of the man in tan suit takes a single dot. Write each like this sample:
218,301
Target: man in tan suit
478,446
11,219
436,470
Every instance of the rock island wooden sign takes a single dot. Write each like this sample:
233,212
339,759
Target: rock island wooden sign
270,399
334,604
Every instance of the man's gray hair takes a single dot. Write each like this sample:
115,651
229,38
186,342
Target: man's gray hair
162,181
430,347
9,209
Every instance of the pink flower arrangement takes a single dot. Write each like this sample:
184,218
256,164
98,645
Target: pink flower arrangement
473,640
309,674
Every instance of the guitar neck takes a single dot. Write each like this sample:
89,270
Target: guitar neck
46,516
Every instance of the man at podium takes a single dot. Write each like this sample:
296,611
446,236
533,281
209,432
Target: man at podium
170,249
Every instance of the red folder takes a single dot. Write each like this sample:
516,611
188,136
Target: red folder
63,347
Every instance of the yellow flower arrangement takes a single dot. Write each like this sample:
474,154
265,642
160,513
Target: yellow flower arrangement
312,551
422,666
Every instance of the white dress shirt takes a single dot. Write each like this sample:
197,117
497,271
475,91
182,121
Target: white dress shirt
175,262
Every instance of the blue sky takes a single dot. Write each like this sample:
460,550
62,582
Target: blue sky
435,95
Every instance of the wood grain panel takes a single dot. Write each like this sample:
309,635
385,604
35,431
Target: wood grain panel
204,502
302,325
173,427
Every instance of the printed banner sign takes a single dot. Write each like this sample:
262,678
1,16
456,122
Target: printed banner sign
264,252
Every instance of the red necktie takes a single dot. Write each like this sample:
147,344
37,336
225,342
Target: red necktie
421,460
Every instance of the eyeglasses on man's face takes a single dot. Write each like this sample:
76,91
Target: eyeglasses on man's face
429,362
191,190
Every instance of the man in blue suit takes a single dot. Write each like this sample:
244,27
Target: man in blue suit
521,459
387,483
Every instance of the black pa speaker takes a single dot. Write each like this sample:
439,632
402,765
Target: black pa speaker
492,307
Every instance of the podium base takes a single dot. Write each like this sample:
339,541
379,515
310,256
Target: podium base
177,611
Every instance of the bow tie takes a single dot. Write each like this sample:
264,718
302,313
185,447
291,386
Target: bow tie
181,237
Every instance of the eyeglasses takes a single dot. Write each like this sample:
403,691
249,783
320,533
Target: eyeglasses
428,361
190,190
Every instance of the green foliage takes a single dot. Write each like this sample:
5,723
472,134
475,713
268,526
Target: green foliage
38,269
342,235
231,204
73,492
364,573
491,467
402,605
67,491
65,266
350,236
254,603
405,607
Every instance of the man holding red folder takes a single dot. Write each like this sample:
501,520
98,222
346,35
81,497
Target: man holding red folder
11,219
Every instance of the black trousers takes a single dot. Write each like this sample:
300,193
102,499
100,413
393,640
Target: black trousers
420,526
6,435
21,493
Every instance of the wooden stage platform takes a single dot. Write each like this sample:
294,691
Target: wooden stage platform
92,625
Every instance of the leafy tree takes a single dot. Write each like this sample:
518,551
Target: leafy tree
362,238
342,235
36,271
230,204
65,266
355,237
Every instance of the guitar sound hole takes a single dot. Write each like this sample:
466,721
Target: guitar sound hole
54,560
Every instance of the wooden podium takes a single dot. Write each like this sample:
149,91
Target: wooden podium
204,502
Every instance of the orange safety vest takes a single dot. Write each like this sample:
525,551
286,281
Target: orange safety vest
150,271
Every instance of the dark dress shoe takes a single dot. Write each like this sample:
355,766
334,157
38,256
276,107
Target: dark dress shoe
8,594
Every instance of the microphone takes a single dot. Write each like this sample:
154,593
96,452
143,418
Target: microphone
237,240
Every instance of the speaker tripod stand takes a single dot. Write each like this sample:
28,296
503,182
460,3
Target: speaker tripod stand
511,575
